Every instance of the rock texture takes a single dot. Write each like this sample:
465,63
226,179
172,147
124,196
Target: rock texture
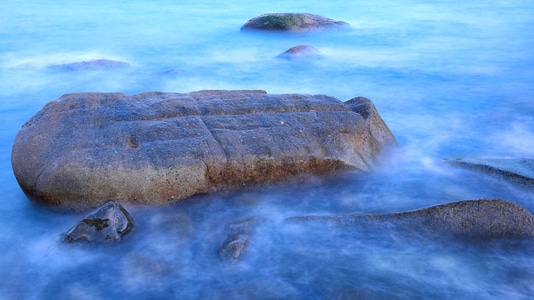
106,224
291,22
484,218
516,170
153,148
301,52
92,65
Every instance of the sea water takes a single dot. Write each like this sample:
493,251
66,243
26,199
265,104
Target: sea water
450,78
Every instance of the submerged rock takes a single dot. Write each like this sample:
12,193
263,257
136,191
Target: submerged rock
107,224
516,170
234,246
153,148
291,22
97,64
483,218
300,52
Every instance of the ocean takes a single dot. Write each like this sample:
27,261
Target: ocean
451,79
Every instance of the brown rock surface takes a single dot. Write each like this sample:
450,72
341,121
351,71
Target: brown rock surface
482,218
152,148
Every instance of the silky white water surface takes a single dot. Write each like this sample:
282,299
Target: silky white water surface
450,78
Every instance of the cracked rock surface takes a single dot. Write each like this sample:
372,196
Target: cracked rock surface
152,148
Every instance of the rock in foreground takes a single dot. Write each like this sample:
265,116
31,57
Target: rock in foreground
106,224
484,218
291,22
153,148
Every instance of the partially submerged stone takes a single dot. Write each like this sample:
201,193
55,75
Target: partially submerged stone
155,148
291,22
234,246
92,65
516,170
107,224
483,218
301,52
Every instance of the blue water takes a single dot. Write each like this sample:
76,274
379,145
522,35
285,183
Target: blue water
450,78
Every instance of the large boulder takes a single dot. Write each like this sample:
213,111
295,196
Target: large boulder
152,148
483,218
291,22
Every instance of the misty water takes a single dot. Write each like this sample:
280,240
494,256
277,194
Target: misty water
452,79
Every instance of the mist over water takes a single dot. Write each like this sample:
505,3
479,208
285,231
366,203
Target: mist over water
450,78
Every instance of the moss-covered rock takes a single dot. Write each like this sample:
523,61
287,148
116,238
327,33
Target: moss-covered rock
291,22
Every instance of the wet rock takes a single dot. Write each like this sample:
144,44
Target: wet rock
155,148
483,218
291,22
516,170
93,65
107,224
234,246
301,52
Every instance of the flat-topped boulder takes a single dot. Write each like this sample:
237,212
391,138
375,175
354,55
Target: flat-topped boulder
155,148
291,22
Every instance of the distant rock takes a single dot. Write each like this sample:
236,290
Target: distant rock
516,170
107,224
301,52
234,246
483,218
156,148
92,65
291,22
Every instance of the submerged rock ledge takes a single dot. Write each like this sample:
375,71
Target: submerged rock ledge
153,148
482,218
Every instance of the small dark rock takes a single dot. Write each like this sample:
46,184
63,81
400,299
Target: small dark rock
291,22
301,52
234,246
107,224
97,64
